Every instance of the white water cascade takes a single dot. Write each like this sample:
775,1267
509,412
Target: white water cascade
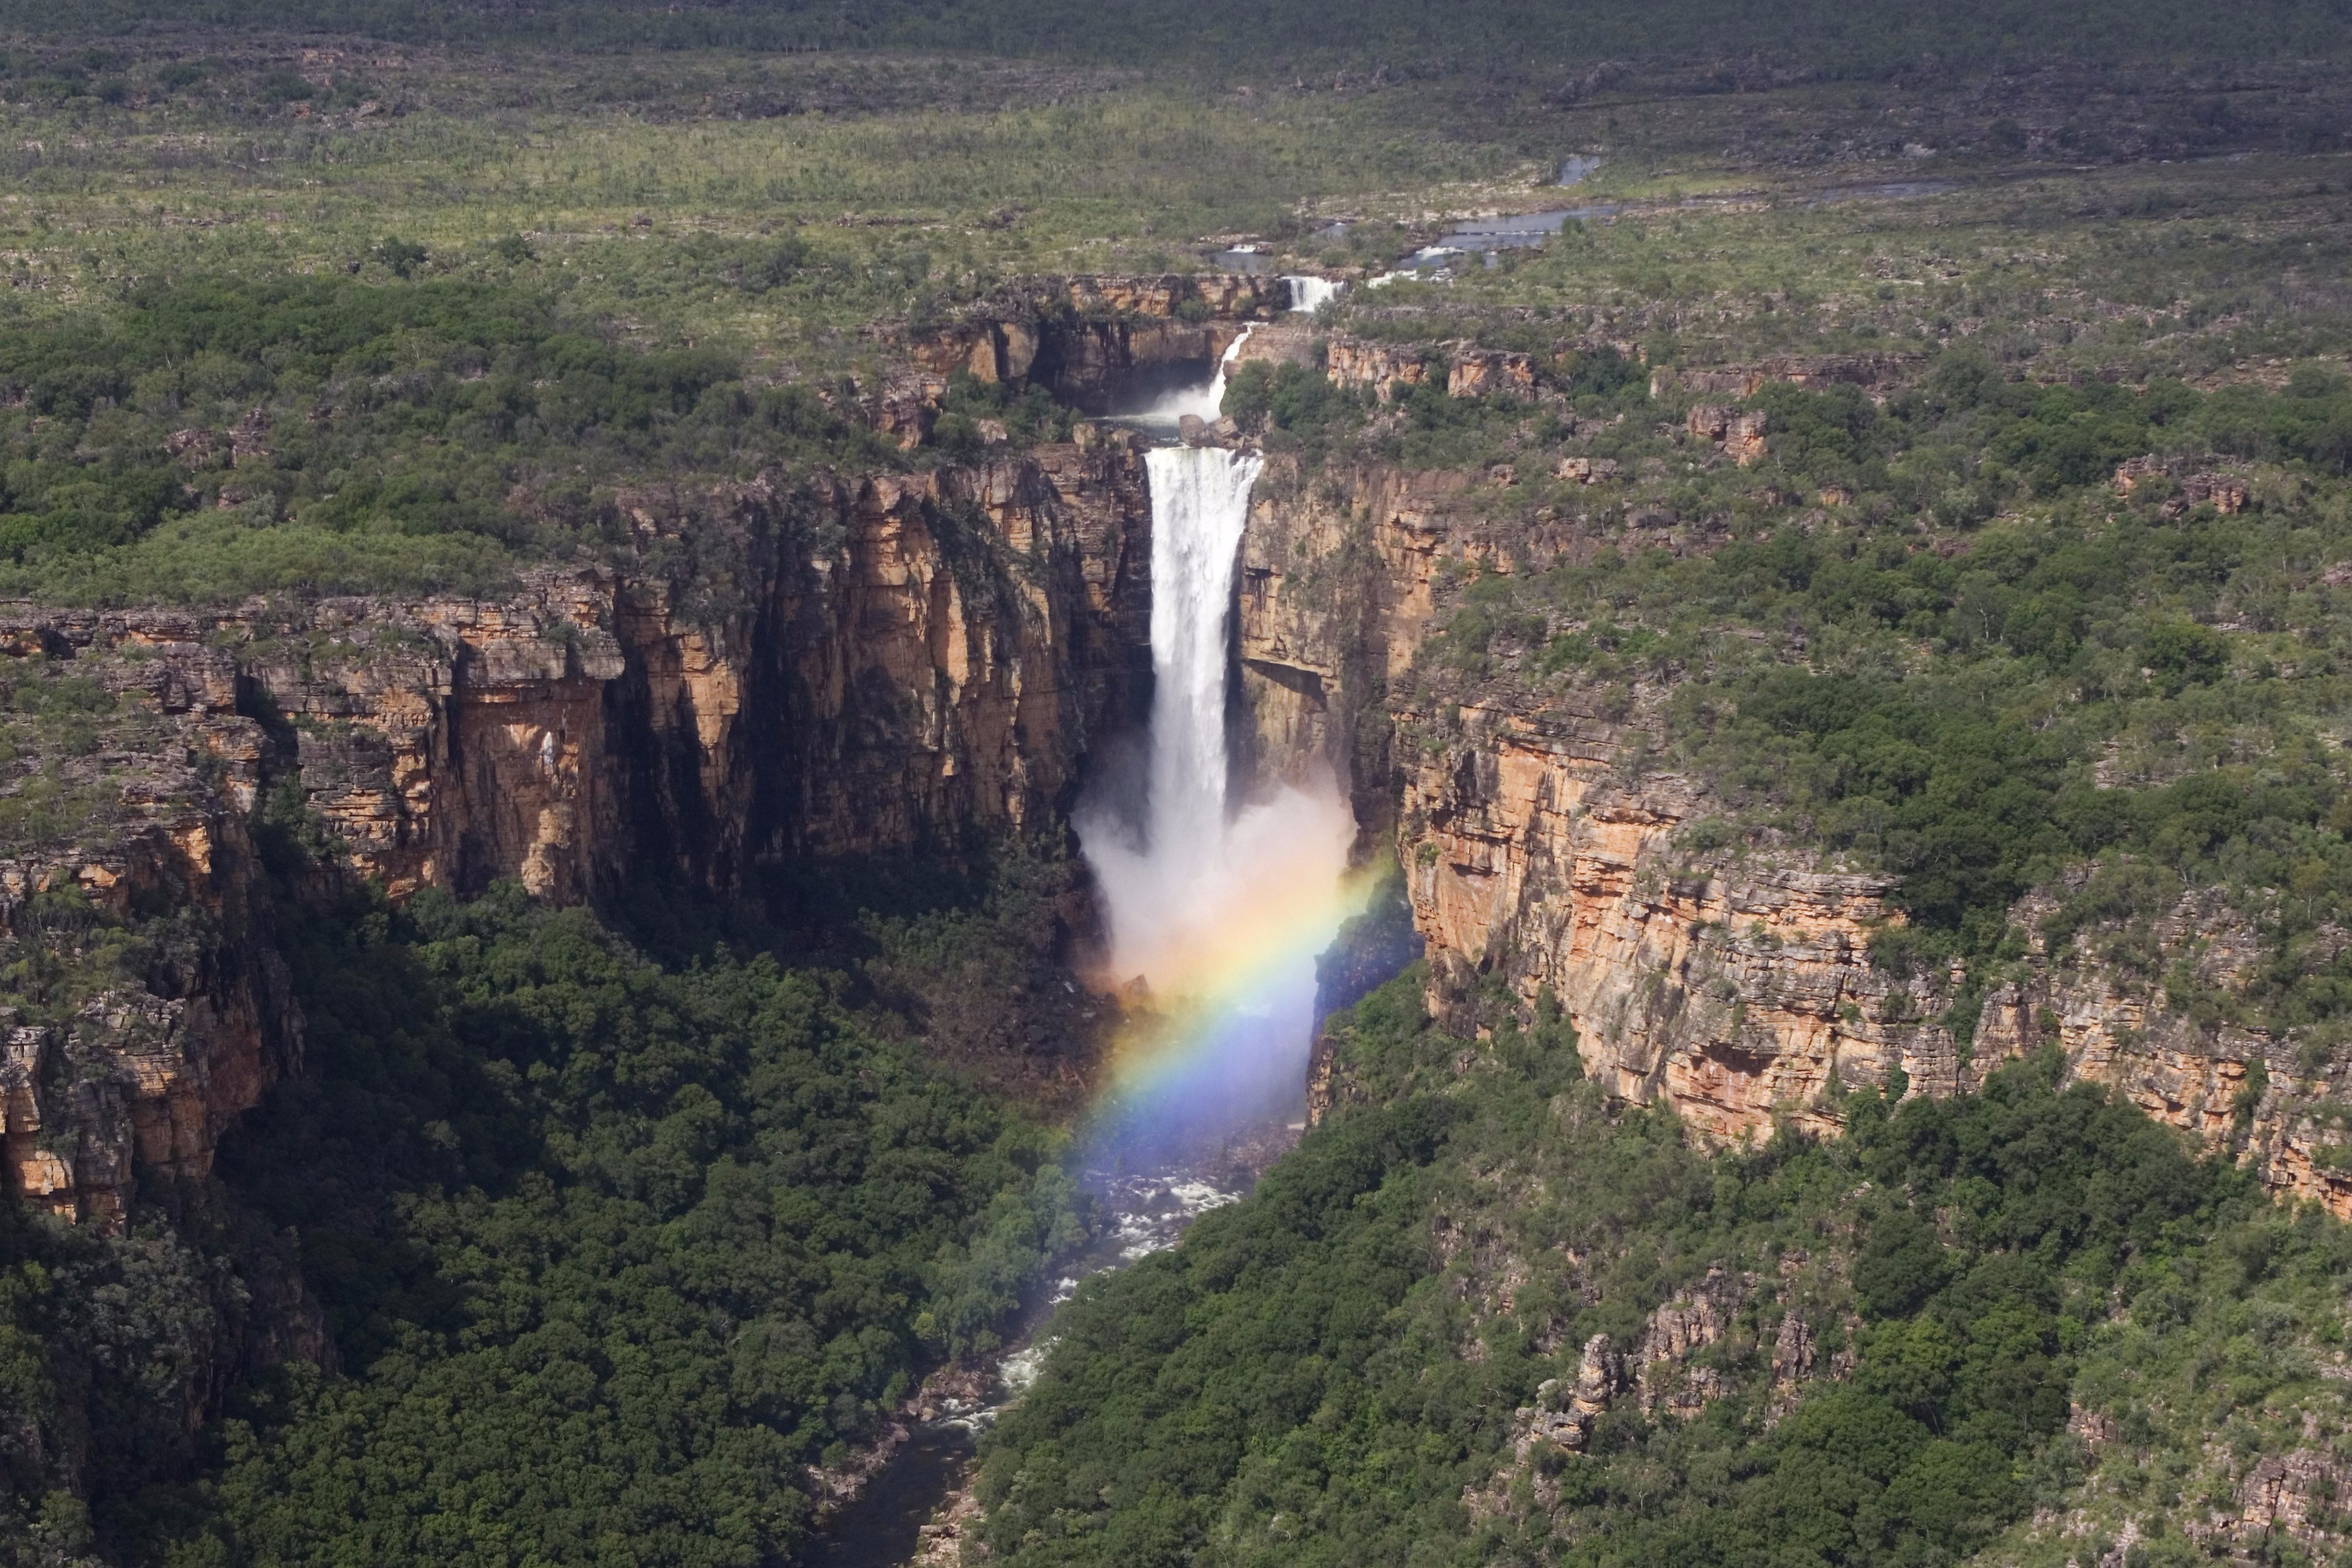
1200,506
1221,911
1207,402
1309,293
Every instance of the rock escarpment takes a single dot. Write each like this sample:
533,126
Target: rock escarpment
1550,861
1734,986
847,667
1097,342
1732,980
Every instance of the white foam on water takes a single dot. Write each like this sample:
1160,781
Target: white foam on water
1309,293
1205,401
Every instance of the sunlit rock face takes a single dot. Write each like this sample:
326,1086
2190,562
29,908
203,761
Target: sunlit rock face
1723,973
866,671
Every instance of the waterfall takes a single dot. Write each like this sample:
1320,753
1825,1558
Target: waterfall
1207,402
1309,293
1199,505
1219,911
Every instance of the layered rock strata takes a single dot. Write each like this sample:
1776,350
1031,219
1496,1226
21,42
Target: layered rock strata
1707,969
1734,988
1718,971
871,667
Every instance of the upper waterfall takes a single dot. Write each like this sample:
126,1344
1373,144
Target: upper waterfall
1200,506
1206,402
1309,293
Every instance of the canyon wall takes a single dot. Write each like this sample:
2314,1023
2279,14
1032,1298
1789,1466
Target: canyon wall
1728,975
1097,342
1704,965
855,667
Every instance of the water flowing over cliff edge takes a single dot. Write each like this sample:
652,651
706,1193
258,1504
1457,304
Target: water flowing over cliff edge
910,657
1216,908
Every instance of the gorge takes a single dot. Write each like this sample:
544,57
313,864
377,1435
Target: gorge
826,807
916,657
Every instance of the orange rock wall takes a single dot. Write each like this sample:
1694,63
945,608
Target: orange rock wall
918,656
1706,967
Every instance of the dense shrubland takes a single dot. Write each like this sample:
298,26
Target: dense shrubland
218,436
1327,1372
607,1254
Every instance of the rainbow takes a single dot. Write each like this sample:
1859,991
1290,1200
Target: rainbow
1224,1032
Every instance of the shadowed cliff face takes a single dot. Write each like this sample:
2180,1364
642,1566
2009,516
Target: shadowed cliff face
897,662
1101,343
1545,855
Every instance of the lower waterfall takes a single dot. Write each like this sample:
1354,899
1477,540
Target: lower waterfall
1219,911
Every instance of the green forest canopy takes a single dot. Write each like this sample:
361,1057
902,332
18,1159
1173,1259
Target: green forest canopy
609,1255
1325,1374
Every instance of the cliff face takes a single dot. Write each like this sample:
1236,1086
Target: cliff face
1467,371
901,659
1337,582
1736,984
150,1048
1731,986
1094,342
1713,970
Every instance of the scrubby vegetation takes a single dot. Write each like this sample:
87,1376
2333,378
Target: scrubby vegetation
218,436
1327,1372
2010,670
607,1255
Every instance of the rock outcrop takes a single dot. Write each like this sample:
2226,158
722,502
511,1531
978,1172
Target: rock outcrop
1467,369
150,1053
1731,978
1873,372
1565,1414
1723,973
1670,1375
868,667
2298,1495
1096,342
1338,581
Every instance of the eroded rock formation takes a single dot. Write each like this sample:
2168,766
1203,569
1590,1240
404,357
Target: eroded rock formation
875,665
1467,369
1092,341
1721,971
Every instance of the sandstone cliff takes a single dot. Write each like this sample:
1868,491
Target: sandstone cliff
1720,971
844,667
1097,342
1731,978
